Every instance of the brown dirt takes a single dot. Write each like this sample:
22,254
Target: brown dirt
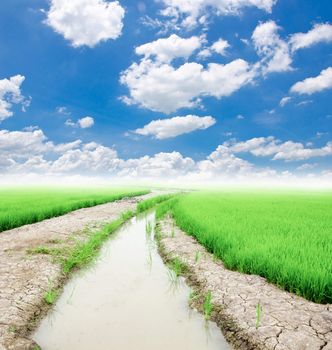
288,322
25,277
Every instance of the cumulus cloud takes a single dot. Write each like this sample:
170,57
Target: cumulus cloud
23,144
164,88
86,122
316,84
274,51
86,22
31,152
189,13
321,32
167,49
278,150
172,127
10,93
83,123
220,46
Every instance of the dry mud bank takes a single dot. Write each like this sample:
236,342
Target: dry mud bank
287,322
26,277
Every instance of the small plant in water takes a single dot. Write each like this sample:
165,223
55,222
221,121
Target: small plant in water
177,266
207,306
148,228
173,233
258,314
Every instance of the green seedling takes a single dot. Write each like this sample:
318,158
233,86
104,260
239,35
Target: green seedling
207,305
50,296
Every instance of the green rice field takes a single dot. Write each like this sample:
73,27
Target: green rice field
25,206
284,237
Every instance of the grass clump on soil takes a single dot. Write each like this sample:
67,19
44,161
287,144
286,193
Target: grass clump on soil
26,206
207,305
84,252
50,296
177,266
284,237
153,202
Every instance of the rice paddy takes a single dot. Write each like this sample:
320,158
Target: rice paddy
26,206
284,237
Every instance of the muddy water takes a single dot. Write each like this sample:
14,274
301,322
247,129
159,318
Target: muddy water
127,301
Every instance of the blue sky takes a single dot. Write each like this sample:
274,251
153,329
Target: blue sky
73,64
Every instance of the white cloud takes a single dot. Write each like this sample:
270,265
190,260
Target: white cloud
62,110
307,166
172,127
284,101
223,161
220,46
23,144
270,146
319,33
83,123
164,88
86,122
311,85
167,49
30,152
86,22
273,50
189,13
10,93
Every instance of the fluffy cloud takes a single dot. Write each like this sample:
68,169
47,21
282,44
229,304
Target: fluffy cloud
311,85
319,33
30,152
222,160
10,93
219,47
270,146
86,22
164,88
189,13
17,145
172,127
86,122
83,123
167,49
271,48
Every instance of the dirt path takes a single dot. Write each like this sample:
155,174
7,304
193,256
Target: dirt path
287,322
25,277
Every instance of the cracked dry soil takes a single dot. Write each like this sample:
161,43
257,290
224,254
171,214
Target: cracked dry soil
288,322
24,277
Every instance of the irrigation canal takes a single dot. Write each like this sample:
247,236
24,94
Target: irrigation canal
127,300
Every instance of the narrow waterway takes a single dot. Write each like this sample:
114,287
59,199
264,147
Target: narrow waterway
128,300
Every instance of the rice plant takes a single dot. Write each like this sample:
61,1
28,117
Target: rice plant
285,237
21,206
207,305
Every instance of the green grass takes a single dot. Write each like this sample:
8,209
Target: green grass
207,306
25,206
285,237
50,296
153,202
84,252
